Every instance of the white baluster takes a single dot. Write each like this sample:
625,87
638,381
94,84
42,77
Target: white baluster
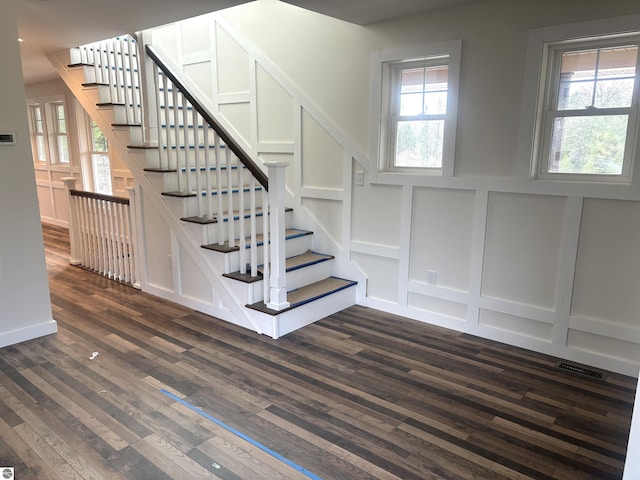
253,228
219,202
207,169
231,226
243,241
195,118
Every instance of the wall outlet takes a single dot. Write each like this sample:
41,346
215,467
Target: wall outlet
359,178
432,277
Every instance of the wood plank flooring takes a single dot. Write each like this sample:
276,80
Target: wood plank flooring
359,395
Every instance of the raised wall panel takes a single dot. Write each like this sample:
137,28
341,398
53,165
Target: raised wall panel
437,305
328,213
42,175
233,65
602,345
607,278
193,283
511,323
374,214
200,75
44,201
166,38
58,176
238,115
441,236
382,274
157,246
322,156
61,204
195,34
522,249
275,110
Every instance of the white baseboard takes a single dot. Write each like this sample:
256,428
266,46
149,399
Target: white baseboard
28,333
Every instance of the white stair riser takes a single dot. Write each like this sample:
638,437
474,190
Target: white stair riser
299,317
109,95
74,56
294,246
191,203
254,292
129,135
180,132
208,233
171,178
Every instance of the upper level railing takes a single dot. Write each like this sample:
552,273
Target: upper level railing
115,64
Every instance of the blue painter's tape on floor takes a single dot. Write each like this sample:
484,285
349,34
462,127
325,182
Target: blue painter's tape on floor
265,449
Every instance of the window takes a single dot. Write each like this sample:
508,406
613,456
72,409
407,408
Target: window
416,116
100,161
584,117
37,133
49,132
60,132
419,108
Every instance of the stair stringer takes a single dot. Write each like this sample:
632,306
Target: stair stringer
224,304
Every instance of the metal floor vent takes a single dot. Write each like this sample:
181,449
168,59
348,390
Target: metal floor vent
587,372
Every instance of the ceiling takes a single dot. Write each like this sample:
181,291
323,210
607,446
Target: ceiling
51,25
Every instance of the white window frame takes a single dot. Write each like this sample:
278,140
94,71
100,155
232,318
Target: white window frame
57,134
384,89
535,128
50,134
38,136
93,153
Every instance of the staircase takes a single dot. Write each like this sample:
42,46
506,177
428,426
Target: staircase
226,209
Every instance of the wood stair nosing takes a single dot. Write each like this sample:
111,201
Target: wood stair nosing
292,264
204,193
290,234
236,216
143,147
309,293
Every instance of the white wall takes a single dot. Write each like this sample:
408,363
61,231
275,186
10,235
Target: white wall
504,250
25,306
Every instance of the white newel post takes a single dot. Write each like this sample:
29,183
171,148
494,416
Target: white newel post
277,196
147,93
136,266
74,224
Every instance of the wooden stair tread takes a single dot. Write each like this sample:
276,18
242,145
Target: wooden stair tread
204,193
143,147
290,233
236,216
292,263
306,294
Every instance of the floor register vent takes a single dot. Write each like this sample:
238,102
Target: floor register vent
587,372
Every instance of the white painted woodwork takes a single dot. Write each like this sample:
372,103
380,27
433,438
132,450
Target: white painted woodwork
502,226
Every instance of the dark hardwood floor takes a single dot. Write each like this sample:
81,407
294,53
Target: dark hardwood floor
359,395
